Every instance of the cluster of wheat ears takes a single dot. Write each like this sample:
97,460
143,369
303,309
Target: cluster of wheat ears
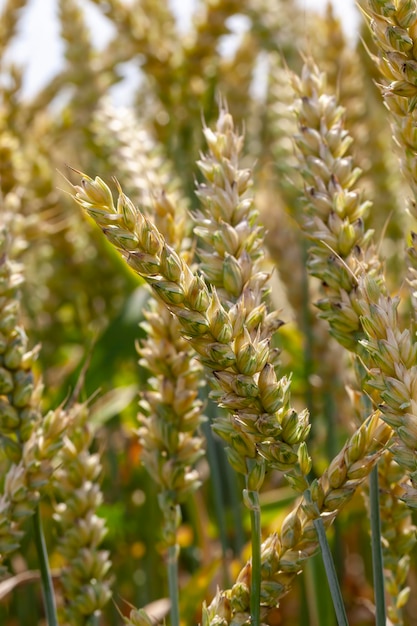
222,272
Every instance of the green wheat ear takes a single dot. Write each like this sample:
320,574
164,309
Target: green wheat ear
30,442
393,29
85,574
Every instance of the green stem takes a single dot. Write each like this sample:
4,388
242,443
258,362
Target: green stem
252,502
46,578
173,584
376,544
377,559
213,453
307,328
331,573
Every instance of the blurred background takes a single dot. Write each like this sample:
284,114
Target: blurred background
38,48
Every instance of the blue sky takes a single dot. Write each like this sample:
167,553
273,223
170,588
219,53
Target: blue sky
38,48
